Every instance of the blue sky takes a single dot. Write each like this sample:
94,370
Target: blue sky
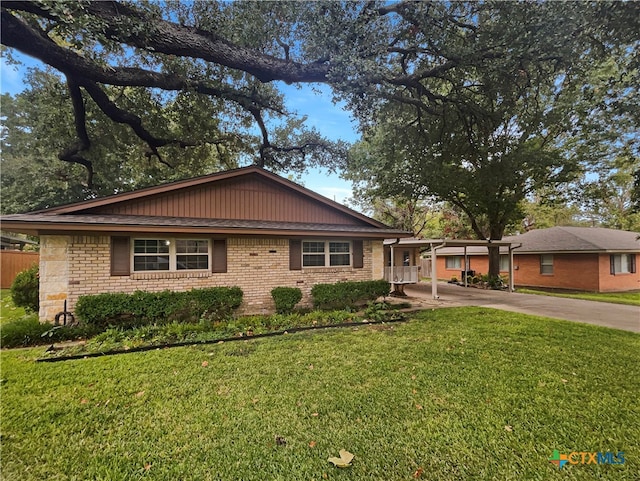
332,121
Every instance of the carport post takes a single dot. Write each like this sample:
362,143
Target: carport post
466,266
512,284
434,273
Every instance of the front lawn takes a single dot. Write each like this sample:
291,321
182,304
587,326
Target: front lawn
630,298
8,310
454,394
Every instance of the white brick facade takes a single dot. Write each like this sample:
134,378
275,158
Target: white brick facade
73,266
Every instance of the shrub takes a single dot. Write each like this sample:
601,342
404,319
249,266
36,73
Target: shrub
286,298
25,289
345,295
141,308
28,331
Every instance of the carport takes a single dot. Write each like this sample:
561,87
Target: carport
400,275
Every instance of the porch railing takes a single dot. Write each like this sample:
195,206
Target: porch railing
401,274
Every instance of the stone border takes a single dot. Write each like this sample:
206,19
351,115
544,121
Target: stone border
402,318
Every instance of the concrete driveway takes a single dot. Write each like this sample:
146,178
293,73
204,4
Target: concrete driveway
617,316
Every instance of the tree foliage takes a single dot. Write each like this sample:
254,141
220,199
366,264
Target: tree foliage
477,103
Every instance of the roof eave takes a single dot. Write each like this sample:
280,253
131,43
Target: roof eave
43,228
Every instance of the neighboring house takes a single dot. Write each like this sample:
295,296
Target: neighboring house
245,227
14,243
579,258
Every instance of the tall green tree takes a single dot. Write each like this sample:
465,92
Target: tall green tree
481,90
485,135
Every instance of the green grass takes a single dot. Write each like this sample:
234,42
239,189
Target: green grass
8,311
630,298
465,393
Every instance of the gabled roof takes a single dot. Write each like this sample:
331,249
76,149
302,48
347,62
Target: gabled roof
248,201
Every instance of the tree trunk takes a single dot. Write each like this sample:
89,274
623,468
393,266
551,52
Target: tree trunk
494,261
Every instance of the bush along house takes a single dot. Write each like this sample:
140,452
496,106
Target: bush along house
245,227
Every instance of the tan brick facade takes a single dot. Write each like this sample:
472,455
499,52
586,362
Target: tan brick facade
73,266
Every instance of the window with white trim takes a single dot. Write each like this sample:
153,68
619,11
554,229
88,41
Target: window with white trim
504,263
546,264
171,254
318,253
623,263
453,262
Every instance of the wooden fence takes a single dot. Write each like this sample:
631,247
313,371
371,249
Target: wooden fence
13,262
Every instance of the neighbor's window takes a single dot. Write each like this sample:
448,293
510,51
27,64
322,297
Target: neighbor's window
170,254
623,263
326,253
546,264
504,263
453,262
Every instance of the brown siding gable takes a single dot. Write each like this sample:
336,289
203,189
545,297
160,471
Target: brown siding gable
248,193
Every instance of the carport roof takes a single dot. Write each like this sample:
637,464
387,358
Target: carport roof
414,242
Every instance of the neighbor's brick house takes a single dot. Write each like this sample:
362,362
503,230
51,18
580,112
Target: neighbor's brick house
578,258
246,227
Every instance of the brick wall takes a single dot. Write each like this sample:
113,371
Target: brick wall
583,272
570,271
618,282
82,266
479,264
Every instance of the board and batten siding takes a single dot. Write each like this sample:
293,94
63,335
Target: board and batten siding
245,198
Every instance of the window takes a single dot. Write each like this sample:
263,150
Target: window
192,254
504,263
326,253
170,254
546,264
151,255
623,263
453,262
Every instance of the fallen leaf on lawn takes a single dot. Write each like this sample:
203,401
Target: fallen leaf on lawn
147,466
414,391
205,363
419,407
83,401
564,381
312,444
418,473
140,394
107,402
344,460
315,415
413,377
255,400
508,428
310,366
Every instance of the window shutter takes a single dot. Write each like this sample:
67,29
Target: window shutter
120,256
358,254
632,263
295,255
612,264
219,257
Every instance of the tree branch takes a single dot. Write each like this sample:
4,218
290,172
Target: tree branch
18,34
72,153
158,35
